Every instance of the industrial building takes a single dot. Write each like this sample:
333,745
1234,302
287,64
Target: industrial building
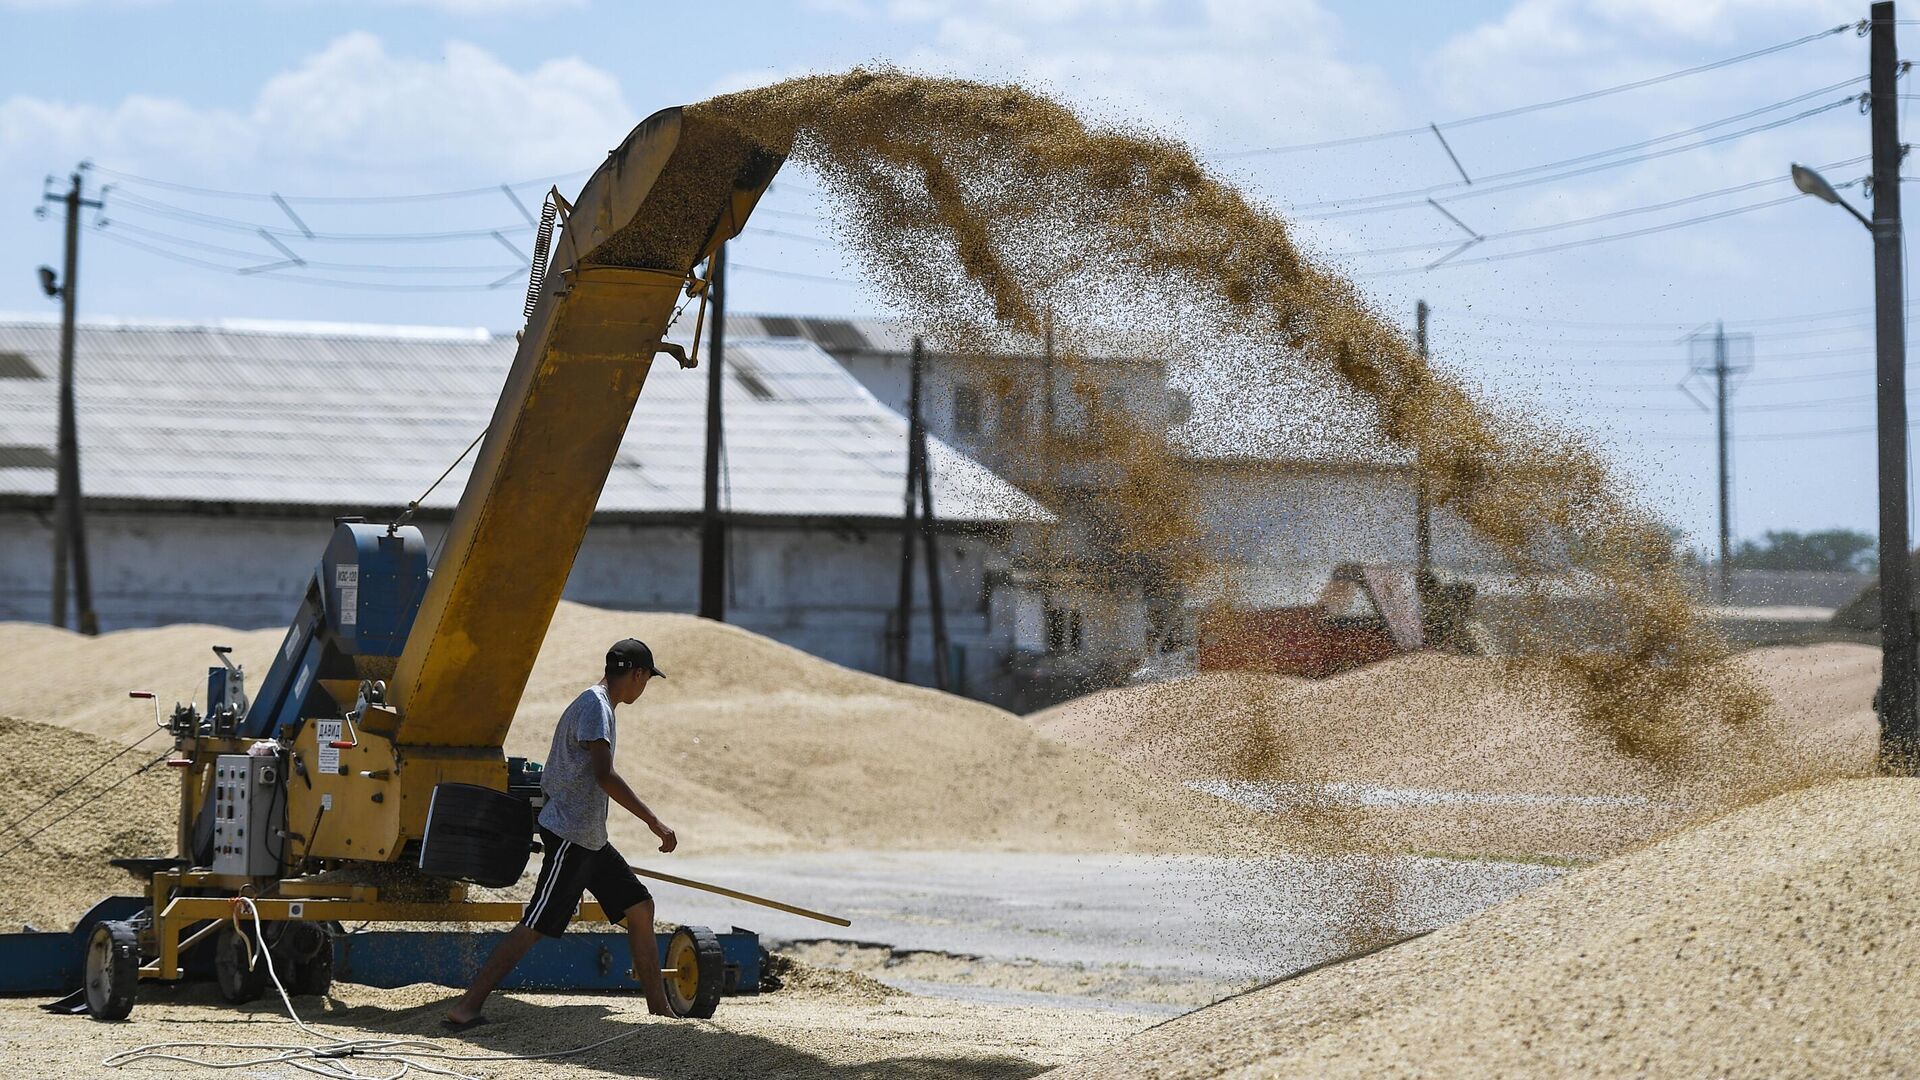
215,456
1284,497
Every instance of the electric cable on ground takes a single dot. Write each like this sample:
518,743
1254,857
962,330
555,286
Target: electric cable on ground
329,1056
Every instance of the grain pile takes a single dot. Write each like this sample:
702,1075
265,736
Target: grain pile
52,879
1480,725
747,745
1778,941
995,219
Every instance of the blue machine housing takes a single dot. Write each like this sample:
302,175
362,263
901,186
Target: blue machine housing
360,604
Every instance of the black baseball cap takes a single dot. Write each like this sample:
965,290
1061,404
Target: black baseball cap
632,654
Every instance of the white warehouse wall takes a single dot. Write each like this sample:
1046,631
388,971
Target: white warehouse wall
829,592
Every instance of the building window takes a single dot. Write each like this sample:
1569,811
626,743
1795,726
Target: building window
966,410
1064,630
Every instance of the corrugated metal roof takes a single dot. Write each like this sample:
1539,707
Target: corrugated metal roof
303,415
1300,420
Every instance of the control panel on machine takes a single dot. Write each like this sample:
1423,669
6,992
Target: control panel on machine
247,807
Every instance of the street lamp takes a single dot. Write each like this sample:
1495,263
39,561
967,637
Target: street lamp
1812,183
1898,700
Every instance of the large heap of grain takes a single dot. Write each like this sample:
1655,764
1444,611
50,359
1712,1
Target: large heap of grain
1486,730
994,219
1778,941
747,744
53,863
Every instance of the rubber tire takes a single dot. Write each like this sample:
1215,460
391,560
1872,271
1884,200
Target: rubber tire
696,995
237,985
112,970
311,960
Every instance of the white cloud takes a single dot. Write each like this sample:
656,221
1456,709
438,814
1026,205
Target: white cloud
353,107
1218,73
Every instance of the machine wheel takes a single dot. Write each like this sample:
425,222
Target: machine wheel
231,949
309,952
113,970
698,971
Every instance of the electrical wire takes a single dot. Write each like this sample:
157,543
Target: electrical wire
1538,106
262,196
1535,230
1648,343
84,777
308,279
1591,240
329,1056
164,754
1774,320
386,268
795,274
1482,190
233,224
1582,159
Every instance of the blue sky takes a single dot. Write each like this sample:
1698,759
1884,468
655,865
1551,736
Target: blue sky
372,98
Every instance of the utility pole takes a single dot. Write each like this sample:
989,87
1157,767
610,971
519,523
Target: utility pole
923,468
903,615
1899,728
1720,429
1711,356
713,527
1422,519
69,520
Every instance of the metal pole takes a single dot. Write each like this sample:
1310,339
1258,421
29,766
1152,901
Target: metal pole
1422,520
70,525
1720,421
713,535
1047,407
63,493
935,599
1899,732
903,616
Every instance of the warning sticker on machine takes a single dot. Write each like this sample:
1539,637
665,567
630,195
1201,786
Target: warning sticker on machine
324,733
349,606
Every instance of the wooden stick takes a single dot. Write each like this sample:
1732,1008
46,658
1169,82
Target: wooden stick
748,897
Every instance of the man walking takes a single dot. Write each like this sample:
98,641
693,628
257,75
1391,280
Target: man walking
578,781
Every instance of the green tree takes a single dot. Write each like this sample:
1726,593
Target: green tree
1828,549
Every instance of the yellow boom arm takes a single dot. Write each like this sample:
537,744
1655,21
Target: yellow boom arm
666,199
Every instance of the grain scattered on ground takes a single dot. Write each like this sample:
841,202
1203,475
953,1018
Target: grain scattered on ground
1777,941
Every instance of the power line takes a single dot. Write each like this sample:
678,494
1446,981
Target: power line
1538,106
232,224
1595,155
1681,324
1535,230
1480,191
795,274
1650,343
264,196
390,268
1609,238
309,279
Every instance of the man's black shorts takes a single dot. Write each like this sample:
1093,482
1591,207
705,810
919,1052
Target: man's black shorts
570,869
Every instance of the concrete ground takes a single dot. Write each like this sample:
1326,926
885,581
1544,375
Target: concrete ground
1157,933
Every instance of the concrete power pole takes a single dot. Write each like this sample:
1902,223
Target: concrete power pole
1711,356
909,522
1899,728
713,527
1720,425
1422,513
69,520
